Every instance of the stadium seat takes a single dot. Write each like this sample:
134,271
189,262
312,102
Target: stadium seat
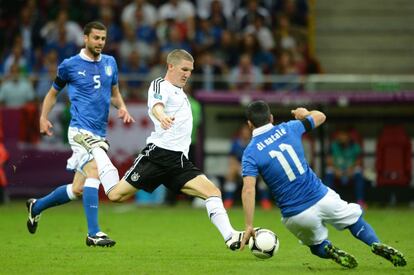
393,157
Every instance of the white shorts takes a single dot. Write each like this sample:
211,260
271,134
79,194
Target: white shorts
309,226
79,156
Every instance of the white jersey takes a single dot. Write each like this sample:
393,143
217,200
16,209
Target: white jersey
177,105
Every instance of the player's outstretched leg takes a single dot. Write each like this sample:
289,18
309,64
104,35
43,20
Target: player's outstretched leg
389,253
341,257
33,219
234,241
100,239
89,142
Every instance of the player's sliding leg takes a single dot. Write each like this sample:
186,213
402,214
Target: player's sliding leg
389,253
201,187
59,196
364,232
340,256
328,251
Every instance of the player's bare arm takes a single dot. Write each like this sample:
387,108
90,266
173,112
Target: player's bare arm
166,121
47,106
248,199
118,102
301,113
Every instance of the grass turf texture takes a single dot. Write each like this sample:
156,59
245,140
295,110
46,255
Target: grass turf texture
180,240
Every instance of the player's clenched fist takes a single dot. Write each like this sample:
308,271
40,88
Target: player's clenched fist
300,113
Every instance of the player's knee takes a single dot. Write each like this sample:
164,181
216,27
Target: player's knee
77,190
214,191
115,196
91,170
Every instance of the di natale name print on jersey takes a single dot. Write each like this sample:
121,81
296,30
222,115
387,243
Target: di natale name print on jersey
272,138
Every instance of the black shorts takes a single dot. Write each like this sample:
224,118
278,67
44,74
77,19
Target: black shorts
155,166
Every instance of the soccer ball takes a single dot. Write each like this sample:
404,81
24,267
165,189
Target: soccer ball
265,245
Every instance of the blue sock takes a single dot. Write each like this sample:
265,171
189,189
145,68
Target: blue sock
319,249
363,231
90,205
56,197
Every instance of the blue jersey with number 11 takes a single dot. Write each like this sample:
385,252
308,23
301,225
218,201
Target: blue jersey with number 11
89,89
277,154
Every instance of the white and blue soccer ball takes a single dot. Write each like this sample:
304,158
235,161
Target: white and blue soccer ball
265,244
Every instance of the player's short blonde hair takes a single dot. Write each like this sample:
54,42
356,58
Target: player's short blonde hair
175,56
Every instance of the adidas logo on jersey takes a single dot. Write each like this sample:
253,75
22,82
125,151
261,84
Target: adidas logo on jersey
135,176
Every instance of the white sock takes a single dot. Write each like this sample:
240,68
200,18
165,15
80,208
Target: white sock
218,216
70,193
91,182
108,174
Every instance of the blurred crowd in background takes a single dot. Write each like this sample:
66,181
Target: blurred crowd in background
236,44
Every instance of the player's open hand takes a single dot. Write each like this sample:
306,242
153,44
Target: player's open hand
45,127
249,232
125,116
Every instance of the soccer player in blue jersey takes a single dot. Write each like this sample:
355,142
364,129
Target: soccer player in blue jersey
307,205
92,81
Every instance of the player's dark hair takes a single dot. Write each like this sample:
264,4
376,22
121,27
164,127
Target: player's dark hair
93,25
258,113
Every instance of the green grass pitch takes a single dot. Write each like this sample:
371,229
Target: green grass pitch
180,240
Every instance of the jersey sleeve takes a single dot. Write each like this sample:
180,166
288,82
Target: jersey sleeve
157,93
115,74
249,165
61,77
299,126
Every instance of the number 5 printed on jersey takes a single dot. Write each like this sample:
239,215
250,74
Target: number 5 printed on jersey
97,81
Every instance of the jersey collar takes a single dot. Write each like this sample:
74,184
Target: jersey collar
262,129
83,55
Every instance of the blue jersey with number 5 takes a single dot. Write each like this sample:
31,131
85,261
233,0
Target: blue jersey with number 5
277,154
89,89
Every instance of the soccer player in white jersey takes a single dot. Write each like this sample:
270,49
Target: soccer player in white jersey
165,158
92,80
307,205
